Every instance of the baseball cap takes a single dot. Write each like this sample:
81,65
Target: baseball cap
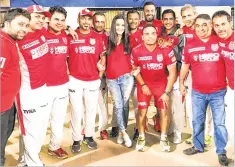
38,9
85,12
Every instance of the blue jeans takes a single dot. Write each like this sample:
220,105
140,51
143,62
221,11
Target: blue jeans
200,102
120,90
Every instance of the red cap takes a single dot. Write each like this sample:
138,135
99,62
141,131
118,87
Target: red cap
85,12
38,9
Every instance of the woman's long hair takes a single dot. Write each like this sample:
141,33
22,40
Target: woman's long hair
112,41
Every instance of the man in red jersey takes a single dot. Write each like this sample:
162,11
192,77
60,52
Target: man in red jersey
99,27
223,28
149,15
84,79
153,81
208,86
16,22
57,78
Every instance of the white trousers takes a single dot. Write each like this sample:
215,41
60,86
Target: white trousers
89,92
229,109
33,105
58,104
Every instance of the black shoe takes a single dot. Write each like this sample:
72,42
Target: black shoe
76,147
89,141
191,151
223,160
136,135
114,132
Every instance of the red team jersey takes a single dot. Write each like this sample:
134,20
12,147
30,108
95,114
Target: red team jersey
207,65
153,64
33,59
188,33
10,71
118,63
228,55
84,54
135,38
58,52
156,23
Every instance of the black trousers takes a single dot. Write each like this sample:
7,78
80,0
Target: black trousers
7,127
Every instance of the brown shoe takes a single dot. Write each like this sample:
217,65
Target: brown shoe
60,153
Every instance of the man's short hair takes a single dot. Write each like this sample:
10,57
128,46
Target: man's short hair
188,6
169,11
148,3
222,13
13,13
203,16
58,9
98,14
149,25
132,11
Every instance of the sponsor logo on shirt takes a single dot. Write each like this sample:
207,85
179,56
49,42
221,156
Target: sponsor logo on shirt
195,58
39,51
51,50
2,61
71,90
92,41
159,57
53,41
221,44
65,40
153,66
142,103
188,35
29,45
87,49
29,111
231,45
43,38
208,57
214,47
60,49
227,54
145,58
196,49
77,41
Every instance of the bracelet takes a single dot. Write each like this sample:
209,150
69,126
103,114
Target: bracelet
143,85
167,93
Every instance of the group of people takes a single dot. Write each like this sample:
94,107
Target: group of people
46,65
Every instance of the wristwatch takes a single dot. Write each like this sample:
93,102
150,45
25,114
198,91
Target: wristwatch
167,93
67,28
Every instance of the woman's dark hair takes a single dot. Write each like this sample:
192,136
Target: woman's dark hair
112,41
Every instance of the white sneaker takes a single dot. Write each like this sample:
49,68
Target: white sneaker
127,140
177,137
165,145
120,139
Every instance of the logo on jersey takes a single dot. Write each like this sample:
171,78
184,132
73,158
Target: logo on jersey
29,45
92,41
221,44
87,49
29,111
53,41
231,45
154,66
60,49
214,47
229,55
159,57
195,58
39,51
171,53
209,57
145,58
77,41
76,50
51,50
2,61
64,40
196,49
43,38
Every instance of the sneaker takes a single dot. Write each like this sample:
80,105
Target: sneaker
120,138
191,151
156,121
140,144
59,153
127,140
165,145
223,160
136,134
89,141
177,138
208,141
104,134
189,140
76,147
114,132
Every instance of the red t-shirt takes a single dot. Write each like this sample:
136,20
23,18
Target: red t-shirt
84,54
153,64
10,71
58,52
188,33
157,23
228,55
118,63
135,38
207,65
33,59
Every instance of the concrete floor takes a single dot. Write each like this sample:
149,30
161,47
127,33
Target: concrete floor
109,153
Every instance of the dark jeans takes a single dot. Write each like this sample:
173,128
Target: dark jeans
7,127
